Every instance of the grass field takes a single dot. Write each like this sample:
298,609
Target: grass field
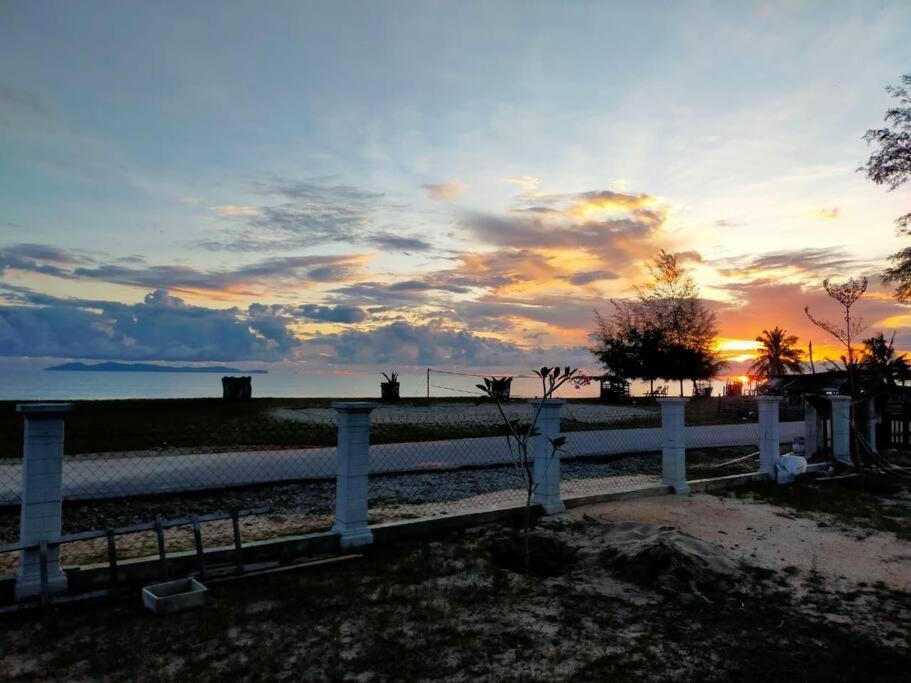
141,424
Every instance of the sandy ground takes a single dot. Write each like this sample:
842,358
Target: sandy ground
770,536
484,413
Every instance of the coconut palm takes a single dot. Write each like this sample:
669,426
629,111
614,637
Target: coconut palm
778,355
879,358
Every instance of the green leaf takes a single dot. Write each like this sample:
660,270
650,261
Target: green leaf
559,442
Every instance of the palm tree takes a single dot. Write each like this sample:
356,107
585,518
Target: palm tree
880,360
778,355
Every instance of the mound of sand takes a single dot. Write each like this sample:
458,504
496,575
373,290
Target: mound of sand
665,559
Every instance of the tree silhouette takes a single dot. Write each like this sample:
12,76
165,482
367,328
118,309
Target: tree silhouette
881,361
890,164
847,294
666,332
778,354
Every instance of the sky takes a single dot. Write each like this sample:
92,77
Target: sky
339,186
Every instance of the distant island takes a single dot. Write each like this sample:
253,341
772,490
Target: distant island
149,367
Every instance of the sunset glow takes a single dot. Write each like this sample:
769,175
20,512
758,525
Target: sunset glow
441,191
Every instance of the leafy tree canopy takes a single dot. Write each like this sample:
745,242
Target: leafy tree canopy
890,164
666,332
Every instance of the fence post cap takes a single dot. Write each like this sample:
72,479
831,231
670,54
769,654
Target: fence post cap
353,406
770,399
838,397
44,409
672,399
547,401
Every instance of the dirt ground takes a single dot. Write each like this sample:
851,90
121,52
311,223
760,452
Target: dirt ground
767,536
740,587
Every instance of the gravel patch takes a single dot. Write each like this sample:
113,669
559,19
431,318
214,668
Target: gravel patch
461,413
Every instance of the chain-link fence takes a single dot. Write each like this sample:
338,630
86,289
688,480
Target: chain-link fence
11,438
127,463
431,461
130,463
732,446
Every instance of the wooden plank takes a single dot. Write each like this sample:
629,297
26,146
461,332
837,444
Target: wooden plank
135,528
112,554
238,545
162,560
200,555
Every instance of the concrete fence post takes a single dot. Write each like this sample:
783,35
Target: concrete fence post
872,422
841,428
673,439
546,462
769,434
811,430
41,514
352,468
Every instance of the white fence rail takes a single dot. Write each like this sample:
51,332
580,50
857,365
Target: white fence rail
140,474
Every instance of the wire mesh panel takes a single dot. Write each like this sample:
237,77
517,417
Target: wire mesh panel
732,445
195,457
10,482
610,460
443,459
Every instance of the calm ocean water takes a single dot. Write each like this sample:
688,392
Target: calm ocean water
36,384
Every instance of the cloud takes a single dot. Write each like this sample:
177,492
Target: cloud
331,314
526,181
387,240
314,212
445,191
133,270
761,305
401,343
38,258
288,271
233,210
587,277
317,190
17,104
611,237
825,214
608,201
161,327
813,261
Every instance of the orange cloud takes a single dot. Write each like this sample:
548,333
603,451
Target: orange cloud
234,210
445,191
825,214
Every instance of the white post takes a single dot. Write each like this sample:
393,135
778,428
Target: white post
352,467
673,454
42,496
769,441
546,462
872,421
811,430
841,428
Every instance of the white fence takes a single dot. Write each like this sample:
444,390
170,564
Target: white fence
141,474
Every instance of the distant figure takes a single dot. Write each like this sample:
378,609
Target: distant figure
236,388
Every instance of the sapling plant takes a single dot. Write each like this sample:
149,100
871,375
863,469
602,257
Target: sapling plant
520,438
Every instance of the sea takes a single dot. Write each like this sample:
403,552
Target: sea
30,381
34,383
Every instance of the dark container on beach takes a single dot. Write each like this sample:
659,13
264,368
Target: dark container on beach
237,388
